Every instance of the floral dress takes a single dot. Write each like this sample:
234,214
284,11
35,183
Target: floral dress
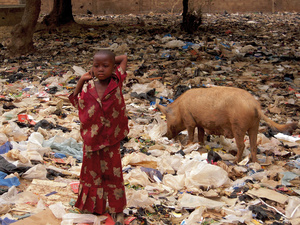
103,125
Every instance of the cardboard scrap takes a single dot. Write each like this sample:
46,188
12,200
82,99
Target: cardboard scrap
42,218
269,194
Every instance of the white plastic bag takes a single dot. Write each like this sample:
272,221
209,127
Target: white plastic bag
193,201
37,172
58,210
206,175
293,208
137,177
71,218
138,198
176,182
195,217
158,129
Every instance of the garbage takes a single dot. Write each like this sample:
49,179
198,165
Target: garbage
37,172
167,181
9,182
192,201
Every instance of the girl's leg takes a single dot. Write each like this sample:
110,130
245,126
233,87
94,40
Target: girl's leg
113,179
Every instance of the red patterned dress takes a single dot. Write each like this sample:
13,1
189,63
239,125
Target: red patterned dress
103,125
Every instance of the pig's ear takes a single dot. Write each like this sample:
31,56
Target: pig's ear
161,108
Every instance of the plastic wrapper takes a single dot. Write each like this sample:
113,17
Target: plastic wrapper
37,172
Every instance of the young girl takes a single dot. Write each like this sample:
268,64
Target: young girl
101,107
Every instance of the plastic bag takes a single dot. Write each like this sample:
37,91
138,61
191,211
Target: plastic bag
58,210
157,129
293,208
175,44
37,172
174,181
14,131
206,175
3,139
191,148
195,217
138,198
164,164
79,71
140,88
193,201
137,177
9,197
139,159
71,218
15,154
36,138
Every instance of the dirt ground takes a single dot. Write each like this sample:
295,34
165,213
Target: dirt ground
256,52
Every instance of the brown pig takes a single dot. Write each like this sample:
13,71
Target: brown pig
227,111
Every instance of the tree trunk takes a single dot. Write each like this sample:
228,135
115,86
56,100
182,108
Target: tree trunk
22,34
61,13
185,4
190,20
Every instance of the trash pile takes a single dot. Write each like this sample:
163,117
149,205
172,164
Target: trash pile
167,181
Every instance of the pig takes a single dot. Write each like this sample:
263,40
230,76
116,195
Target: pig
227,111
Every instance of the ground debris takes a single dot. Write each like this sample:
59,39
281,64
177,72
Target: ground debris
166,181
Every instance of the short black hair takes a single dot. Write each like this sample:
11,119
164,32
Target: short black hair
106,52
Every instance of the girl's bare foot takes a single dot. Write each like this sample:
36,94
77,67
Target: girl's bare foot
118,218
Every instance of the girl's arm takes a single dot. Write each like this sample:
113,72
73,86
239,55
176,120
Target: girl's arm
85,77
122,61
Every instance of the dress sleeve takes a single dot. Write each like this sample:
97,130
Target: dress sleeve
121,74
74,100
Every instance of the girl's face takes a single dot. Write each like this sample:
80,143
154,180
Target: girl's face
103,66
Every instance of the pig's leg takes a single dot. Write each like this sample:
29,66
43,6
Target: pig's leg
201,135
253,142
191,133
239,139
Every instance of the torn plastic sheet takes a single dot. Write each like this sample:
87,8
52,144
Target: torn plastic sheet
67,146
9,182
193,201
287,177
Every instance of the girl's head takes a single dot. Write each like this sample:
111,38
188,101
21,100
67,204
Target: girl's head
103,64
